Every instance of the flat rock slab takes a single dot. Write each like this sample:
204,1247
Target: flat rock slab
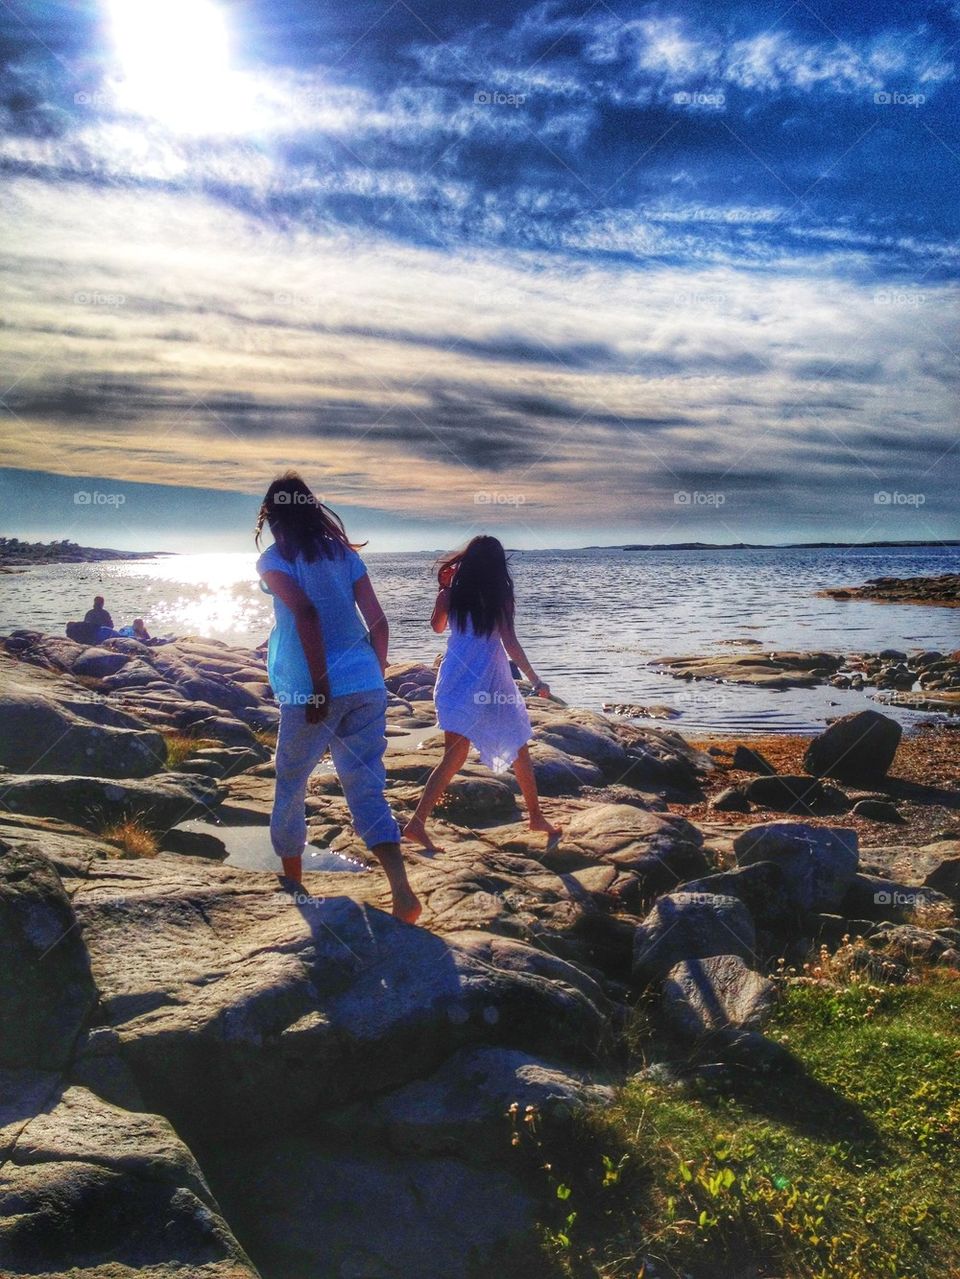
776,670
339,1212
463,1108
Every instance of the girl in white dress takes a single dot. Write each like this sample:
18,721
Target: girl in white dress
476,698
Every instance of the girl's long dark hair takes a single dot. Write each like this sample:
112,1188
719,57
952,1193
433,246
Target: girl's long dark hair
299,521
482,588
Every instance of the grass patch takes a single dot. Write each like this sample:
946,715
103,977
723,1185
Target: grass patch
847,1167
132,837
181,746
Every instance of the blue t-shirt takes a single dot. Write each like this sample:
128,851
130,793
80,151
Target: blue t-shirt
352,664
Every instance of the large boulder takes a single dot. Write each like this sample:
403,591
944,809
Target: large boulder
477,801
40,734
819,862
703,996
857,748
87,1188
691,926
762,887
220,990
159,802
660,848
46,988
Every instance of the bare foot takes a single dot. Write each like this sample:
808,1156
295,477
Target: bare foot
552,832
416,833
406,905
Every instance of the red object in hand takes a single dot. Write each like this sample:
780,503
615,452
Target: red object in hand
446,574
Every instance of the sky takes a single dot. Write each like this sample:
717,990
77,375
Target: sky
568,273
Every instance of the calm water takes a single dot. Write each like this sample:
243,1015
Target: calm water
590,620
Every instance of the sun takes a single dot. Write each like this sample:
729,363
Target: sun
174,65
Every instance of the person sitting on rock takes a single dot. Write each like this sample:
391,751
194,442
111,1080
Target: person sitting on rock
137,631
326,670
98,615
476,698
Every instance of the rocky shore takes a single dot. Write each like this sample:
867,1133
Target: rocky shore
17,554
942,591
204,1076
924,679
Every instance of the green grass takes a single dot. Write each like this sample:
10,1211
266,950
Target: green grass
180,746
846,1168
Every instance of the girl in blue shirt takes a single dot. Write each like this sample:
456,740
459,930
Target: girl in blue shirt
325,659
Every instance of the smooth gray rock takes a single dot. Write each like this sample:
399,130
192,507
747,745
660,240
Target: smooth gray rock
46,987
161,802
819,862
690,926
702,996
40,735
221,989
87,1183
462,1108
856,748
877,810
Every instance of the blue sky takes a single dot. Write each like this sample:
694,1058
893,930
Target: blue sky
570,273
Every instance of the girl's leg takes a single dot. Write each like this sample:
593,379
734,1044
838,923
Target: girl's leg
357,749
523,770
300,747
456,750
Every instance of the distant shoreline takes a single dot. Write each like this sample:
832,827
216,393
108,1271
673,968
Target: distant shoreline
767,546
17,554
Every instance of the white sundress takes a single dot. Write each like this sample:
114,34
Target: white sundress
476,696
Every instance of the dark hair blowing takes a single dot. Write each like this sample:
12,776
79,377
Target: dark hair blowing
299,521
482,588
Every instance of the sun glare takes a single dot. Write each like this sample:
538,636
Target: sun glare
174,65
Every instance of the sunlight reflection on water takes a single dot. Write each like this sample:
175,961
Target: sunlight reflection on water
591,620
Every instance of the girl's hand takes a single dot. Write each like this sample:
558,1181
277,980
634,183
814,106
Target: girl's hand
446,575
541,690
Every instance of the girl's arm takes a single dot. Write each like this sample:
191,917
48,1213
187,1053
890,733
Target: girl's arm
514,651
307,622
372,613
441,610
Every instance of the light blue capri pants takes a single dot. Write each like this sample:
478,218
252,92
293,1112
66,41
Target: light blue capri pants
354,729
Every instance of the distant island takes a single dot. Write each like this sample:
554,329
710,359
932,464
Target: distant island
17,554
766,546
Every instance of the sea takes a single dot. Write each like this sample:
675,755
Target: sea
592,621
